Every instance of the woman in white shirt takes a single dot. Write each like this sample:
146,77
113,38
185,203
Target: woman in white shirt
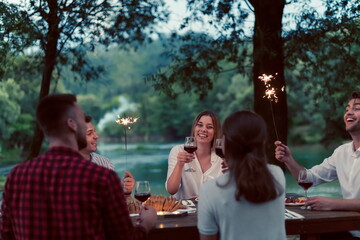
187,171
247,202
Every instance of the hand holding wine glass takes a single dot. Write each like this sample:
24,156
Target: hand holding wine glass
142,191
305,180
219,147
190,146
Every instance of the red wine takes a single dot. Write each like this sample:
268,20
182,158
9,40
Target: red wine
305,185
219,152
190,149
142,197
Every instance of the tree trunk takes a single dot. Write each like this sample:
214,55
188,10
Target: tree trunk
44,91
51,52
268,59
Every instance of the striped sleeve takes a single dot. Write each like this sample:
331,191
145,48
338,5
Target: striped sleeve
101,161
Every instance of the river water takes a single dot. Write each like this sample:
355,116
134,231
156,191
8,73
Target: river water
149,162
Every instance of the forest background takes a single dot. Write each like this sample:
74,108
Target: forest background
321,69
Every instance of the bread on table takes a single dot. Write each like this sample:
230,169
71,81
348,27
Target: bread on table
159,202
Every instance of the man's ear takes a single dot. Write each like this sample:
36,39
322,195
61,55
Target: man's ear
71,124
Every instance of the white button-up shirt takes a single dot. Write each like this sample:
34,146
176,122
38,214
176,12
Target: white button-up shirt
191,180
344,165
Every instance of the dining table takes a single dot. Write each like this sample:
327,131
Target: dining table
308,224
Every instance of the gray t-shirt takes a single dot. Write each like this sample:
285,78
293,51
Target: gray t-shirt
218,211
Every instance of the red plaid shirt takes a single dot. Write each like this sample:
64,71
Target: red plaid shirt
60,195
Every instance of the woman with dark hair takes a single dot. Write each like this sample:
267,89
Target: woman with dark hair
182,182
247,202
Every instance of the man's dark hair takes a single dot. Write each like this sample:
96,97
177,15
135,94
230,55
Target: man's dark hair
51,111
355,95
88,119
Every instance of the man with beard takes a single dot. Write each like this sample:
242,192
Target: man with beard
89,153
343,165
61,195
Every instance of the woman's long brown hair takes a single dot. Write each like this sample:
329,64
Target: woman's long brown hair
245,136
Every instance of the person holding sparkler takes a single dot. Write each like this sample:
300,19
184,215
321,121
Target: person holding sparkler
343,165
184,182
89,154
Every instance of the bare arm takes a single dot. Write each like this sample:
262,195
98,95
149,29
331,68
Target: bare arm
283,154
327,204
174,180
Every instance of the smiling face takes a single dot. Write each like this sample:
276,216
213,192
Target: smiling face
352,116
91,138
204,130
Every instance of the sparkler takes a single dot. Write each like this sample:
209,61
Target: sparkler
126,122
270,93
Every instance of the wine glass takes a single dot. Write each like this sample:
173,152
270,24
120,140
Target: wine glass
305,180
190,147
219,147
142,190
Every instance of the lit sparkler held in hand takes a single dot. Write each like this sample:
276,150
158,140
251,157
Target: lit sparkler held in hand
126,122
270,93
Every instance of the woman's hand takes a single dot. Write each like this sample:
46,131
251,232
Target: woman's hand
185,157
224,166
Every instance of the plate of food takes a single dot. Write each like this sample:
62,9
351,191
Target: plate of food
293,199
162,204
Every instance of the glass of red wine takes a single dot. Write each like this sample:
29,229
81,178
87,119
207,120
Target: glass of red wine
190,147
219,147
305,180
142,190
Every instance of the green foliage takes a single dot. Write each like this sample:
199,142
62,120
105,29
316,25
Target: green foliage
31,22
196,63
91,105
22,131
10,157
15,33
2,182
64,32
10,97
25,72
322,55
321,59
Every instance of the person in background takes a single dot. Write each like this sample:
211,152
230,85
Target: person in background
247,201
89,154
343,165
184,184
60,195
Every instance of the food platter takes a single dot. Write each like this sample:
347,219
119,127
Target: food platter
294,204
293,199
177,213
187,206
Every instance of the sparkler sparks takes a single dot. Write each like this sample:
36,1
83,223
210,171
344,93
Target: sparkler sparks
126,122
270,93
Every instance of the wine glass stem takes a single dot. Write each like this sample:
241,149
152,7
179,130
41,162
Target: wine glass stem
306,194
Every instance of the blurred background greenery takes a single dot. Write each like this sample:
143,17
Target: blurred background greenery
321,59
